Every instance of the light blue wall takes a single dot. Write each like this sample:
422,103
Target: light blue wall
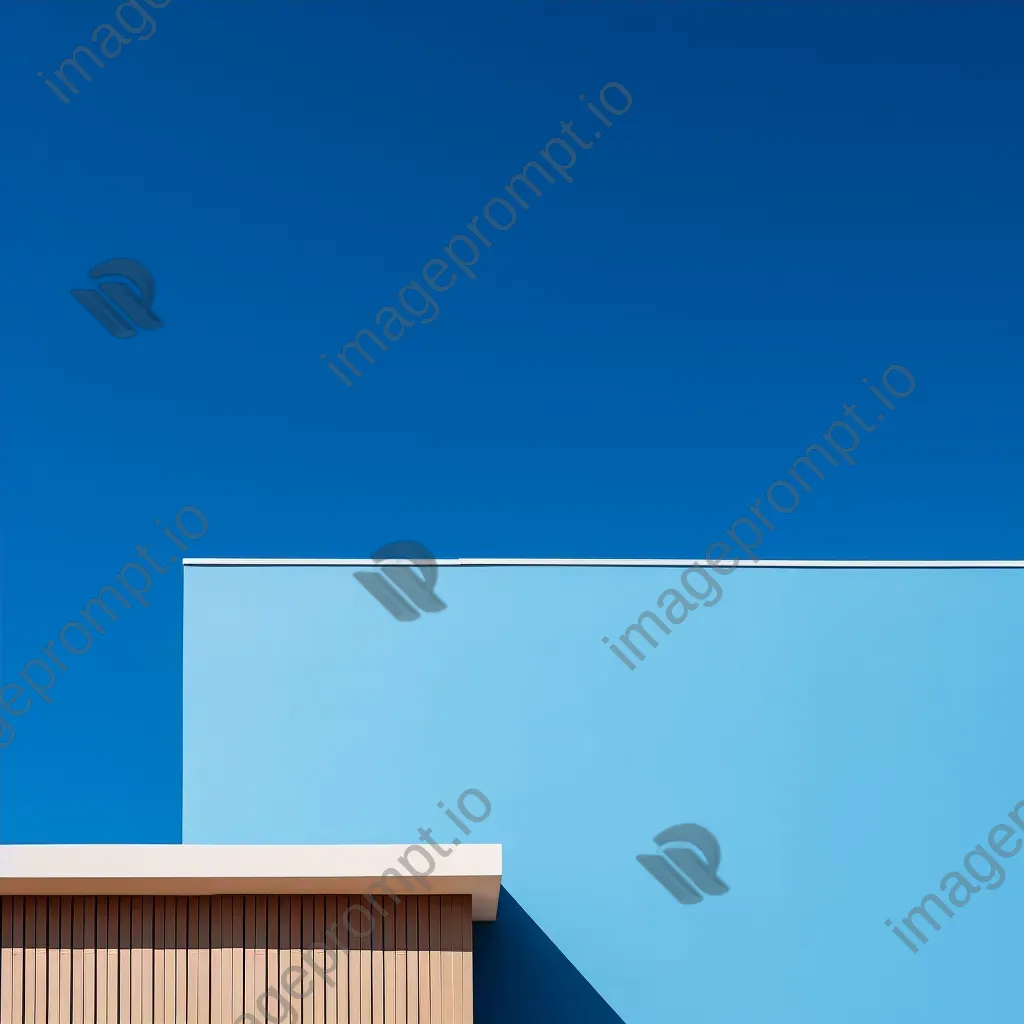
848,735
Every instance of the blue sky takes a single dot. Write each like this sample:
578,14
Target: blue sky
800,196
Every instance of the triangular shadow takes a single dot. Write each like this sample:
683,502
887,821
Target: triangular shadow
519,975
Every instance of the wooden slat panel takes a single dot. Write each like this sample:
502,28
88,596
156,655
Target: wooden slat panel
203,960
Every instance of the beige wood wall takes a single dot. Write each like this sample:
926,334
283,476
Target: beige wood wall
208,960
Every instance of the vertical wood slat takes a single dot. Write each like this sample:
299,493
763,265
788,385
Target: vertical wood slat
278,995
377,962
135,961
170,959
148,958
412,961
111,965
467,961
216,1011
101,959
7,958
51,942
401,967
225,960
434,910
78,960
181,960
273,962
30,956
456,940
20,958
124,960
353,924
237,956
261,980
318,962
424,960
362,921
159,928
192,963
294,968
447,963
89,960
388,942
332,997
204,961
302,981
249,957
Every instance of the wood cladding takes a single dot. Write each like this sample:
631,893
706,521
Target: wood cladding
216,959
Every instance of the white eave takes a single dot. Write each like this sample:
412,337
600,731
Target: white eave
470,869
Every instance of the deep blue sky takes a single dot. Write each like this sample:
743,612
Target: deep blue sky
800,196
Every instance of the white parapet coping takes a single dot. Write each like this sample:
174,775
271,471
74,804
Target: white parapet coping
129,870
628,563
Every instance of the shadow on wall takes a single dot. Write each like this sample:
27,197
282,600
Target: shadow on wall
519,975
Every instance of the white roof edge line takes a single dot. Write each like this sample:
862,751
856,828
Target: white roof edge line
764,563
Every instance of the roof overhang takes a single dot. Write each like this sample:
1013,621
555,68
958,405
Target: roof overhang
471,869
